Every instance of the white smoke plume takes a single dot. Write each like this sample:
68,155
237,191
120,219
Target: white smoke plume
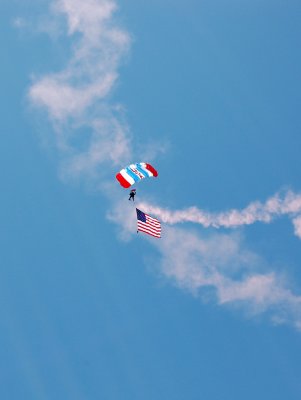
288,204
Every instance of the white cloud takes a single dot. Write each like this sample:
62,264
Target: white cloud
124,216
107,146
63,100
220,267
297,226
77,97
92,69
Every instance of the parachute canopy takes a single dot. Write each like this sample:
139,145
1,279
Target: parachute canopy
134,173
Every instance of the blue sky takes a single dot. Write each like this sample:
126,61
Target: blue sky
209,93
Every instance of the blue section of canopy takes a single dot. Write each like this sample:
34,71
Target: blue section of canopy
142,171
132,175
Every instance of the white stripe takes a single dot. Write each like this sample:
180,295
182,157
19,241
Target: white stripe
150,232
152,220
143,166
155,225
127,177
149,227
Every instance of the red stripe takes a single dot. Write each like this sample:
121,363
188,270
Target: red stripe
152,221
123,182
151,169
149,228
157,235
143,227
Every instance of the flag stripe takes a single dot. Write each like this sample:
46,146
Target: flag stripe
149,232
153,220
144,226
156,231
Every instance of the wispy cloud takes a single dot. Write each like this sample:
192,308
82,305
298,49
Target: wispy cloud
220,266
288,204
92,70
297,226
77,97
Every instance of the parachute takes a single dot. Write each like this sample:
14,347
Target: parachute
134,173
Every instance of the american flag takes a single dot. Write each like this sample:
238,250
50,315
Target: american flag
148,224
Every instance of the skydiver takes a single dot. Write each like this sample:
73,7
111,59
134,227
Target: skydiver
132,194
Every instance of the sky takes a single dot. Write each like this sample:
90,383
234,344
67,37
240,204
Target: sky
208,92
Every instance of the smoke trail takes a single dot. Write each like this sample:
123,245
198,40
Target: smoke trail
276,206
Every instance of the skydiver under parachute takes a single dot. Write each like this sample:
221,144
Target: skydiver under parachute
127,177
134,173
132,194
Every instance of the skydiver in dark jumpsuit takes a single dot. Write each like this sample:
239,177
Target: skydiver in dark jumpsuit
132,194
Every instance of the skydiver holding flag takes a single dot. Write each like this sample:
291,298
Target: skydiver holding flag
132,194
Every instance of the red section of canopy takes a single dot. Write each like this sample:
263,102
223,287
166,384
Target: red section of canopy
151,169
123,182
